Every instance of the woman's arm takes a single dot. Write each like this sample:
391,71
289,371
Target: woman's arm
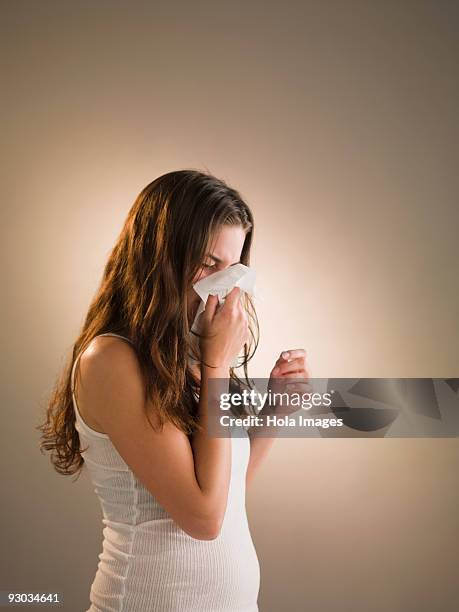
260,444
259,449
290,364
212,455
191,484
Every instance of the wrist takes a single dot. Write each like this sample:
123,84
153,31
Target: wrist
220,371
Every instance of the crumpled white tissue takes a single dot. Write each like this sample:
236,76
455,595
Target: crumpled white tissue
220,284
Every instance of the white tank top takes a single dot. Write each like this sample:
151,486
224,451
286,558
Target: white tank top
148,563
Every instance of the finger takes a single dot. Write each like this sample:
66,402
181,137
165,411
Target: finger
292,353
295,365
232,298
211,306
283,360
299,386
300,376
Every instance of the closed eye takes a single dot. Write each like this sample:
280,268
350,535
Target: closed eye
217,260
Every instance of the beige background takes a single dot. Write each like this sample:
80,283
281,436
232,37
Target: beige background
338,122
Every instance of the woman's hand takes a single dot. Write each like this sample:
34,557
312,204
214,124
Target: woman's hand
224,329
289,375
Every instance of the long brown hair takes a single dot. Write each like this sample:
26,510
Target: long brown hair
143,296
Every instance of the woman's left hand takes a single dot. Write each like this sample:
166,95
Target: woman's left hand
290,374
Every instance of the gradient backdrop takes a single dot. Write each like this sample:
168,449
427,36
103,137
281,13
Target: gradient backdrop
337,121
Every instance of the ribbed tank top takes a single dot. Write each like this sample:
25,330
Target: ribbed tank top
148,563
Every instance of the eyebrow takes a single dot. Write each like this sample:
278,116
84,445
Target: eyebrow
218,260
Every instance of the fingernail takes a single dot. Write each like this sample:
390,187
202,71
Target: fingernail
285,355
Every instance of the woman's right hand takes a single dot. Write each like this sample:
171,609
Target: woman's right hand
224,330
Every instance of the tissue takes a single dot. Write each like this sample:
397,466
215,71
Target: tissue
220,284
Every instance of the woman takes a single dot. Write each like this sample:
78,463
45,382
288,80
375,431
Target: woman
133,407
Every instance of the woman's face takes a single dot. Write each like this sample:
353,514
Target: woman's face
224,251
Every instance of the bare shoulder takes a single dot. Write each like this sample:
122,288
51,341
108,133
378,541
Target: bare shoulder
105,352
106,359
110,377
